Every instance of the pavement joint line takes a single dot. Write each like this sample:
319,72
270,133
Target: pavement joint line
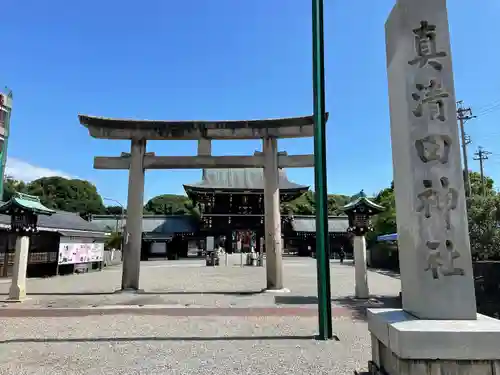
26,312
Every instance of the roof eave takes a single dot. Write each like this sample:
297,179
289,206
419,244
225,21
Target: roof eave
197,188
361,200
116,123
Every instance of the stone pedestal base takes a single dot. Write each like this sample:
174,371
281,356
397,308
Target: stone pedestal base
276,291
405,345
129,291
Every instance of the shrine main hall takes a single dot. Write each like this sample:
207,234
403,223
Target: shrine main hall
231,206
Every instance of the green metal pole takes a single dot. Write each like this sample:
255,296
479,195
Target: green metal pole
322,247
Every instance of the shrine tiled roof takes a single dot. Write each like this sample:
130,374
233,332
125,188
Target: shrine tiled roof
60,220
159,224
241,179
360,199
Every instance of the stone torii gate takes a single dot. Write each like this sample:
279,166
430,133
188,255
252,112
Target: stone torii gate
138,160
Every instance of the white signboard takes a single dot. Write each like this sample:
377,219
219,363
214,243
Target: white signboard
74,253
96,252
210,243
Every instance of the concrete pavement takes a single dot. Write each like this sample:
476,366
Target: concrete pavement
184,338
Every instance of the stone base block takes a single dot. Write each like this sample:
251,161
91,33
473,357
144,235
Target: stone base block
405,345
276,291
129,291
15,300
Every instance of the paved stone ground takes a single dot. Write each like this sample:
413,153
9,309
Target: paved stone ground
190,343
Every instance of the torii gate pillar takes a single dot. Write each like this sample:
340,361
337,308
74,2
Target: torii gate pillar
274,256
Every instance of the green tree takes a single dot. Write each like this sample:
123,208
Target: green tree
477,186
115,210
67,195
483,217
385,222
12,186
306,204
336,202
114,241
168,204
192,209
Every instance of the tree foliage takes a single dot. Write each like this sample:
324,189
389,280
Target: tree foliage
67,195
114,241
11,186
476,185
484,217
385,222
306,204
115,210
483,213
59,193
168,204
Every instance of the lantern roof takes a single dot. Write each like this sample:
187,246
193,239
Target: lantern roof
363,200
25,202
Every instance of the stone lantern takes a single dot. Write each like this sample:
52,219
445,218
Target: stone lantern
23,210
359,213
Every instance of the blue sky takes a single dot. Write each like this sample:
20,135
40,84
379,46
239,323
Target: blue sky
221,59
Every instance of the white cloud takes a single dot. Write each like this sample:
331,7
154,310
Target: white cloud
24,171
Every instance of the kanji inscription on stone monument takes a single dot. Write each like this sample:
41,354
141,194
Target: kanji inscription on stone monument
428,198
448,200
433,148
425,47
435,260
430,96
446,264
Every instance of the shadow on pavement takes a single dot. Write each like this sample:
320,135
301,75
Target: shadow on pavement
356,306
389,273
157,338
227,293
381,271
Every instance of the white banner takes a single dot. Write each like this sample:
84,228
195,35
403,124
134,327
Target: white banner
96,252
74,253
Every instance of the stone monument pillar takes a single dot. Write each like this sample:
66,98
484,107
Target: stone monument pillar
360,268
135,202
438,331
274,258
17,291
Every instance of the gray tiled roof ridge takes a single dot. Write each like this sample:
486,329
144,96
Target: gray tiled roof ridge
241,179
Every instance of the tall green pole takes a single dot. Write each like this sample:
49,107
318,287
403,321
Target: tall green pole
322,247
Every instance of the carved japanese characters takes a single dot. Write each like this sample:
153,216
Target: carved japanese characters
443,200
430,97
446,264
437,198
434,148
448,201
427,199
425,47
